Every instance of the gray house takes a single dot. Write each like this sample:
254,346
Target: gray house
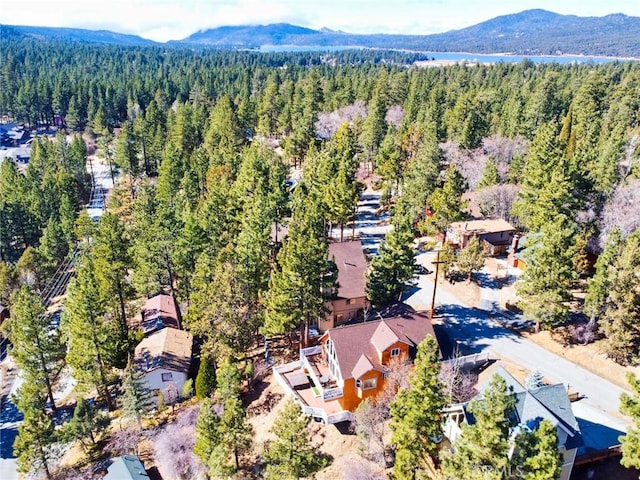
547,402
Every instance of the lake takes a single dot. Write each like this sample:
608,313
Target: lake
457,57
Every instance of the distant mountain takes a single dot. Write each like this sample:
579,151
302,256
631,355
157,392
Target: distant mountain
532,32
73,34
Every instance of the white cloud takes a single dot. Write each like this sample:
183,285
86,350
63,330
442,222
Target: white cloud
176,19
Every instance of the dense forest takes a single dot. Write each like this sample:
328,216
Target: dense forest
204,143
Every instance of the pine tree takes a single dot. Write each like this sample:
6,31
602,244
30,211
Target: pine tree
392,268
416,413
545,285
483,446
111,263
490,175
630,406
207,433
620,319
471,258
37,347
536,455
86,425
206,379
92,350
136,397
446,201
294,298
36,432
291,455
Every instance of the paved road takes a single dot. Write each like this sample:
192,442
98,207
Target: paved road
474,330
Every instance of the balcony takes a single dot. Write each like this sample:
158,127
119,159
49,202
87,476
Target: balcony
294,379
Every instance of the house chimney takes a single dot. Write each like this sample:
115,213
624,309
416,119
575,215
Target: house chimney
514,243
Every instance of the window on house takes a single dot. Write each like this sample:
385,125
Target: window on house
167,377
350,301
370,383
339,318
395,352
358,384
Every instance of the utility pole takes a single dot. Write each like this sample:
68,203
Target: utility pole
435,282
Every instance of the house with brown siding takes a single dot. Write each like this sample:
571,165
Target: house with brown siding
348,298
495,234
331,379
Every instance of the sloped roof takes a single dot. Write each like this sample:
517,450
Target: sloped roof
127,467
168,348
485,225
159,311
549,402
363,366
352,267
352,342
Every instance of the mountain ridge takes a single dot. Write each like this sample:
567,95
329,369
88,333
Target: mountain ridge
530,32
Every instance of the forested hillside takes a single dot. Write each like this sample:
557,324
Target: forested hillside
204,143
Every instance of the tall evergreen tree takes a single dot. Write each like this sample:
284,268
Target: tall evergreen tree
37,347
92,350
294,298
36,433
416,413
136,398
446,202
620,320
392,268
545,285
630,406
482,448
291,455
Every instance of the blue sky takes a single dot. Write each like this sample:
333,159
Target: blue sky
163,20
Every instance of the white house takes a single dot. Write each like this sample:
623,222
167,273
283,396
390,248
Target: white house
164,357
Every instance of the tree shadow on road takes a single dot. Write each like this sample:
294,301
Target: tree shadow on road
468,330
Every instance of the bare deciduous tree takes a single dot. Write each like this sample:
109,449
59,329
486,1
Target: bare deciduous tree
329,122
372,414
124,440
459,382
622,210
497,201
173,448
361,470
394,115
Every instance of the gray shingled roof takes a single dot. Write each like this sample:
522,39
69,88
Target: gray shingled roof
549,402
127,467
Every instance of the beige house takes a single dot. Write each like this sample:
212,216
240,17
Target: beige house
495,233
548,402
349,297
165,357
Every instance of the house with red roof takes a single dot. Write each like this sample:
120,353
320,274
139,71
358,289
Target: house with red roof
159,311
348,299
350,363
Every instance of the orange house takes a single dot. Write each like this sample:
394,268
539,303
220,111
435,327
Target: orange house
350,364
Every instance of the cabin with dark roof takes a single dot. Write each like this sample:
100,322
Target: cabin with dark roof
348,299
